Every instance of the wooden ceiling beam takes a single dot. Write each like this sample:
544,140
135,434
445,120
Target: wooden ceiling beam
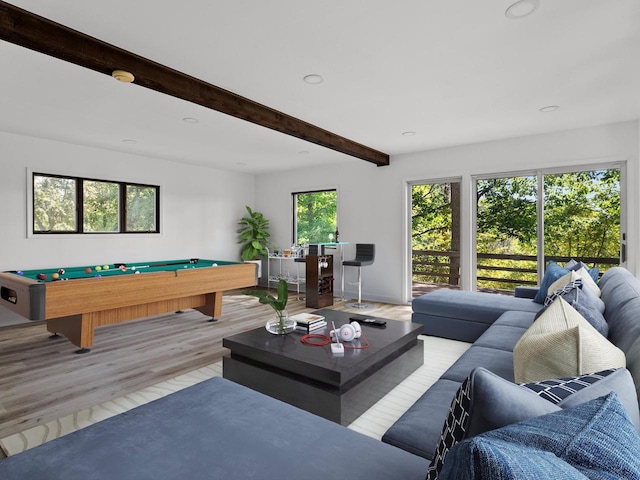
34,32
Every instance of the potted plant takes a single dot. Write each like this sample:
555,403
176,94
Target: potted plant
281,324
254,236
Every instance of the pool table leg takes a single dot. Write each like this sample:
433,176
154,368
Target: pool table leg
77,328
213,306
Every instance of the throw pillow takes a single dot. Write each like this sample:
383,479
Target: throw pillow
561,343
552,273
583,300
572,276
596,438
593,272
567,279
588,281
484,402
483,458
571,391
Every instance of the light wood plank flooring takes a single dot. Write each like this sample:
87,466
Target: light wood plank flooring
43,379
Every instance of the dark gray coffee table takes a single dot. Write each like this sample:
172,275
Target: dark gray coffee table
312,378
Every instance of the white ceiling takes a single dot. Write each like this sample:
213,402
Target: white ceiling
453,71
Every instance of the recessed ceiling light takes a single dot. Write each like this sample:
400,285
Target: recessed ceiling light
522,8
550,108
313,79
408,134
129,141
190,120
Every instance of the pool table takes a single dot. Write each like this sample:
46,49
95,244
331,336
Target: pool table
75,300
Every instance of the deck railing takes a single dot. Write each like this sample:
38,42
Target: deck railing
494,270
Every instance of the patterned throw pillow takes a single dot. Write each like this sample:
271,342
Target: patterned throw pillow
485,402
558,389
583,300
454,428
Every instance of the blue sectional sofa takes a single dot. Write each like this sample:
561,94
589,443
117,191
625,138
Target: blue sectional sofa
221,430
494,324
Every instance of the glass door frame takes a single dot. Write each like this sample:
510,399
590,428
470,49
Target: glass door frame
539,174
407,265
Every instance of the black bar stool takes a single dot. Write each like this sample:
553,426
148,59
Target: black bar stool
365,254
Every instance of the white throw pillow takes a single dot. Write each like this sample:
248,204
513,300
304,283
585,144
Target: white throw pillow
562,281
561,343
587,281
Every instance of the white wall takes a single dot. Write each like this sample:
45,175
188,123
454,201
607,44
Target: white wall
371,199
200,207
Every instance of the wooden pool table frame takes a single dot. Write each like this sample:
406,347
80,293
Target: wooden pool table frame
75,308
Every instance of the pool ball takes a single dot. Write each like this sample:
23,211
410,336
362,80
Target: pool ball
55,275
105,267
61,271
123,268
41,276
98,268
20,272
137,271
88,270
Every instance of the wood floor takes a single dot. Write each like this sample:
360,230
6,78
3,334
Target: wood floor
43,379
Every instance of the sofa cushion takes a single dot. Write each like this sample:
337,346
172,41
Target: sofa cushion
596,438
617,287
501,337
561,343
624,324
516,319
476,306
484,402
453,328
498,361
633,364
418,430
552,273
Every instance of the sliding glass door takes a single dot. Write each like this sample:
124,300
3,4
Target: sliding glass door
522,222
506,232
435,235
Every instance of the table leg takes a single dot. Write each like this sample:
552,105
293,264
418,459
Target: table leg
77,328
213,306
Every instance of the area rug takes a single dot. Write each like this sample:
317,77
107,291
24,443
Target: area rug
439,354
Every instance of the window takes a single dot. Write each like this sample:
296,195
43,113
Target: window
522,222
315,216
80,205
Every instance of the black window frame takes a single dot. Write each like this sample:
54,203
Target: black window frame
79,207
294,213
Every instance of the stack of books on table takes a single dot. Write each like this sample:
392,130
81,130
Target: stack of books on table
309,322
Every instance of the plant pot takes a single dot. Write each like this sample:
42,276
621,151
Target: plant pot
288,325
